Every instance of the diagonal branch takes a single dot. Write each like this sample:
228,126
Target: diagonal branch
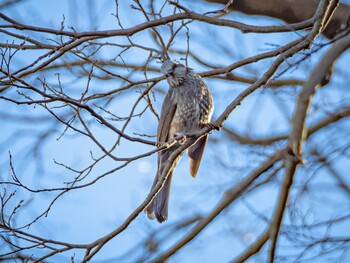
298,133
163,21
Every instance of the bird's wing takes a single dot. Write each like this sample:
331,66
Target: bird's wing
158,208
166,118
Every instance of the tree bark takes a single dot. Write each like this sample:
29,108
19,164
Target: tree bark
291,11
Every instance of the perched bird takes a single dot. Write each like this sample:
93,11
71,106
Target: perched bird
187,107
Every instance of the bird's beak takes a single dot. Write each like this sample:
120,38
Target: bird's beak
169,73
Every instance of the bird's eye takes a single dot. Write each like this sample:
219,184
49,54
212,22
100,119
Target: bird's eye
171,71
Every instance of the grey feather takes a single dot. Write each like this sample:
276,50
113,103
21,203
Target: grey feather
187,106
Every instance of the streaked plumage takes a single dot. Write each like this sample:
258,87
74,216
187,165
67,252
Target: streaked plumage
187,106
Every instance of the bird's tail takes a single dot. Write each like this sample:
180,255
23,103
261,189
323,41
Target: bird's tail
195,153
158,208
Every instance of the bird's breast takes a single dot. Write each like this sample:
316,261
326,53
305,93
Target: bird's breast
193,109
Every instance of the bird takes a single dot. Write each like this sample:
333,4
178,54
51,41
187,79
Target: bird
188,106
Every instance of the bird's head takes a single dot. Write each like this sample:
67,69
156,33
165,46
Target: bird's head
175,72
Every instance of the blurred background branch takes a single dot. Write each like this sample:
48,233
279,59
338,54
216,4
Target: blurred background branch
80,98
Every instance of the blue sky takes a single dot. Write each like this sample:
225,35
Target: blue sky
85,215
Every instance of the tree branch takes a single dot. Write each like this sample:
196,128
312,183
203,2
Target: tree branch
297,11
299,132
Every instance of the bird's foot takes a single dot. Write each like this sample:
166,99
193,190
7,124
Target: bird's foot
183,136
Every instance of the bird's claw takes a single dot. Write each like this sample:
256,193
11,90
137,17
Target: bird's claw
183,135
